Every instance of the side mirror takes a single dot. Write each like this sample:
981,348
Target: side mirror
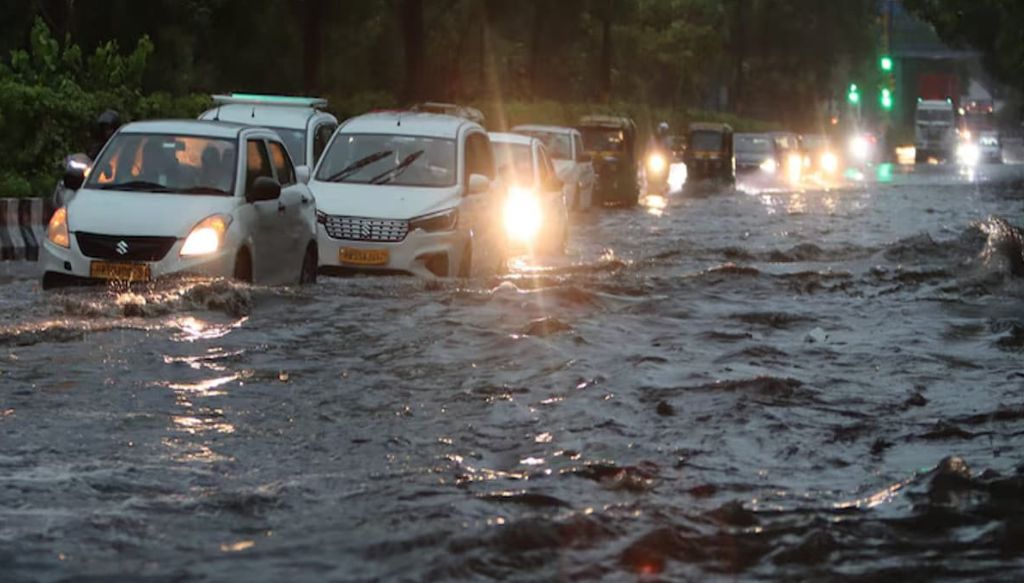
263,188
75,168
302,174
478,184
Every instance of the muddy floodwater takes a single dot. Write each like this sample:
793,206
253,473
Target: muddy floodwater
809,384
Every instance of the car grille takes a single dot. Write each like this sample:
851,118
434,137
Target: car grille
124,248
361,229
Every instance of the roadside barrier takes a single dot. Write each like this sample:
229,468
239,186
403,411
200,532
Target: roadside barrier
22,228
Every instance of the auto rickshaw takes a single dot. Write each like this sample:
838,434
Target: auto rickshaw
709,157
612,143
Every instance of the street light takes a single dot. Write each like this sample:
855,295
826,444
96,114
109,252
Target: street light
886,63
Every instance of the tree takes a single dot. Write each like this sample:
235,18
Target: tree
990,26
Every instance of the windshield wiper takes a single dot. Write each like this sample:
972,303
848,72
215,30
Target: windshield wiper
395,172
359,165
136,186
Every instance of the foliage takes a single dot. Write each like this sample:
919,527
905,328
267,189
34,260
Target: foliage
991,26
50,96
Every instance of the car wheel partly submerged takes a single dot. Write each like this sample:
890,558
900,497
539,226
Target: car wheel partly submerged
309,266
243,267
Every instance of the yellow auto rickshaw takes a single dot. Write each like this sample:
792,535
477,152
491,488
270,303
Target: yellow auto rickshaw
612,143
709,157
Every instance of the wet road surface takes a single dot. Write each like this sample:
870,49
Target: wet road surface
772,384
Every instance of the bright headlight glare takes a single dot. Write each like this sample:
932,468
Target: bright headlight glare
206,237
522,215
57,230
656,163
770,166
860,147
969,154
794,166
829,162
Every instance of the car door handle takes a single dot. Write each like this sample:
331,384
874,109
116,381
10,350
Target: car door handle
281,207
305,199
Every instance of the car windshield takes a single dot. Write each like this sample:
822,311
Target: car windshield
559,145
514,163
706,141
753,144
389,159
935,115
162,163
603,139
295,142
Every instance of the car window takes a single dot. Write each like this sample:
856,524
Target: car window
282,164
321,139
479,158
295,142
390,159
166,163
514,162
547,169
257,163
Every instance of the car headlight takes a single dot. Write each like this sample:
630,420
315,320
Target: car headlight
523,215
860,147
969,154
206,237
57,230
829,162
437,222
770,166
656,163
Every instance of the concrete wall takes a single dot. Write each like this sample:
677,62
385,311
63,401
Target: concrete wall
22,228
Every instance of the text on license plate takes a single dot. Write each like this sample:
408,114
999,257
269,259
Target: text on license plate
351,256
119,271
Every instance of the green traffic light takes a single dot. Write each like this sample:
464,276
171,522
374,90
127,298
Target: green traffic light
886,63
886,99
854,95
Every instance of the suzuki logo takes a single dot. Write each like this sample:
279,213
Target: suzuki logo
366,230
121,247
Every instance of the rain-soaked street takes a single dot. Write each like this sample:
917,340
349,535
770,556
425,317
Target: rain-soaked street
806,385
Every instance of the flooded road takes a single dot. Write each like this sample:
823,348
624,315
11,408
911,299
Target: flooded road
810,384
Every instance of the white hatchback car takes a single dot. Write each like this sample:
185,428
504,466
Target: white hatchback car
300,121
409,193
180,197
572,162
535,214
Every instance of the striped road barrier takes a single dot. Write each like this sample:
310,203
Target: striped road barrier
22,228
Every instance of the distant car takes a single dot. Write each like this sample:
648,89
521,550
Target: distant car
819,155
535,214
185,197
991,147
791,163
572,162
300,121
410,193
757,153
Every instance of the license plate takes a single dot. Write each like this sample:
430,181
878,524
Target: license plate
119,271
364,256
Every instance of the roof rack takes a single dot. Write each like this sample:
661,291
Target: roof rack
278,100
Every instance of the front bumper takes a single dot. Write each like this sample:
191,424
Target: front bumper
72,264
421,254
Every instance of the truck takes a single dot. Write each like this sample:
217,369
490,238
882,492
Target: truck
935,129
